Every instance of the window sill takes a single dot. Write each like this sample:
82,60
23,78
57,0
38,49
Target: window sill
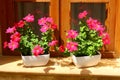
60,66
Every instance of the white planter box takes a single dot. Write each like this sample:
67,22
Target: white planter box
40,60
86,61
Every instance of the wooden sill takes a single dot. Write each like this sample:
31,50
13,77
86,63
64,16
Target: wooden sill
60,66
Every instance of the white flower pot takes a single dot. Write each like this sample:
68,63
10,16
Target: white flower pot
40,60
86,61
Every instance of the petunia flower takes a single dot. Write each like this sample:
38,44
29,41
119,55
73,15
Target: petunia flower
53,43
15,37
72,34
72,46
44,28
92,23
82,15
21,24
37,50
50,20
29,18
42,21
11,30
106,39
13,45
61,48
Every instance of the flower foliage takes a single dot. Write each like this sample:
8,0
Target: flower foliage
90,38
24,39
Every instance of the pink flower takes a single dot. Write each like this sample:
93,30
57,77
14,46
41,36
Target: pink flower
5,44
100,29
54,26
15,37
53,43
82,15
42,21
72,46
44,28
72,34
21,24
11,30
49,19
61,48
13,45
29,18
92,24
37,50
106,39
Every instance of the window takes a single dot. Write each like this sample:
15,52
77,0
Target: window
63,11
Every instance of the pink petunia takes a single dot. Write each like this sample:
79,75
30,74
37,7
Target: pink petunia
15,37
42,21
13,45
72,46
106,39
82,15
53,43
11,30
21,24
100,29
72,34
37,50
50,20
92,23
44,28
5,44
29,18
53,26
61,48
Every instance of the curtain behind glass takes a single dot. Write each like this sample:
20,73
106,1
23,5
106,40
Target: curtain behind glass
95,10
38,9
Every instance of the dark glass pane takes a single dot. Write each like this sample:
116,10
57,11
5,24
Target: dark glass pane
38,9
95,10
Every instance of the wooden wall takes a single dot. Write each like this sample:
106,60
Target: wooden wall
7,18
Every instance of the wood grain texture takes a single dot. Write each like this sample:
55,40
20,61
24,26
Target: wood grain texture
91,1
12,68
117,28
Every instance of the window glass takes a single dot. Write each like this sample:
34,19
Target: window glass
95,10
38,9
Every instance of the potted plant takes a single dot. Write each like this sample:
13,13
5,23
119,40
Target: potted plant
84,45
34,49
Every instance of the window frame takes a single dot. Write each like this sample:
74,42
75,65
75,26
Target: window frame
11,15
60,11
108,51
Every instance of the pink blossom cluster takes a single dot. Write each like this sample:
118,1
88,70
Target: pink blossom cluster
53,43
96,25
37,50
72,46
47,24
82,15
14,34
72,34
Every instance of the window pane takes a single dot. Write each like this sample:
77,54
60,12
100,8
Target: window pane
38,9
95,10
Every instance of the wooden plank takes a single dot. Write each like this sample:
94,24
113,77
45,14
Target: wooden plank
91,1
117,28
34,0
54,13
110,23
65,19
